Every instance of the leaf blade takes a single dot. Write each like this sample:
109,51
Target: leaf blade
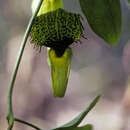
104,17
86,127
77,120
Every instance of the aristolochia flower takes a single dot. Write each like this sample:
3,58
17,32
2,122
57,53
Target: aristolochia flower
57,29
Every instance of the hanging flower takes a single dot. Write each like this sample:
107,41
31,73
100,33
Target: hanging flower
57,30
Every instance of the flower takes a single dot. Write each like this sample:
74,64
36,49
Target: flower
56,29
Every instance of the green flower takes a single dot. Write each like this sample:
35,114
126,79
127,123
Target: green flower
56,29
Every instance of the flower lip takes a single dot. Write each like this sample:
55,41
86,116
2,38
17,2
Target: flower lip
56,29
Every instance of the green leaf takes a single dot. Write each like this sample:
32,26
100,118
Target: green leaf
104,17
86,127
77,120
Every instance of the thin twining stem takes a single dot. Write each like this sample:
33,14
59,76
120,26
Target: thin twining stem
27,123
10,116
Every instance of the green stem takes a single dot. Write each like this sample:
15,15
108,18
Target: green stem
27,123
10,116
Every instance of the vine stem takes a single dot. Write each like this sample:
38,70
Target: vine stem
10,116
27,123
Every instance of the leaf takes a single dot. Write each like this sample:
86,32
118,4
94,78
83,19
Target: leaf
77,120
86,127
104,17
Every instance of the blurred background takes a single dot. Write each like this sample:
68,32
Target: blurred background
96,68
